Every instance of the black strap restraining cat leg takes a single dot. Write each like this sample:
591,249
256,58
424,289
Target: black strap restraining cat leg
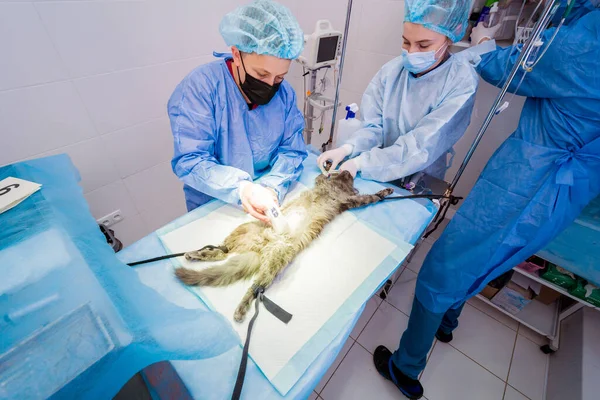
167,256
274,309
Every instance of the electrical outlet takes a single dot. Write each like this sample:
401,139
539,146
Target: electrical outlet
111,219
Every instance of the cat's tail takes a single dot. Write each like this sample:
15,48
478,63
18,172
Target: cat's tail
237,267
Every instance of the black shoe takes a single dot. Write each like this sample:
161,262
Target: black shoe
409,387
444,337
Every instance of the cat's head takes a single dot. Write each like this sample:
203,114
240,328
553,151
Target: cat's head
342,181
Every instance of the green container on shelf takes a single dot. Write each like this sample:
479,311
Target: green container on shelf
586,292
560,277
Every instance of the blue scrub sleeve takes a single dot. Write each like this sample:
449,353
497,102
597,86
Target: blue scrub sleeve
371,133
433,136
195,134
556,75
286,165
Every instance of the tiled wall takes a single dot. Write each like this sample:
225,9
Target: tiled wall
92,79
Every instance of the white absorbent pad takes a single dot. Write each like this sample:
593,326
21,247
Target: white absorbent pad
323,288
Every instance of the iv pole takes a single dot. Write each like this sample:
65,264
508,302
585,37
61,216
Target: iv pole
339,77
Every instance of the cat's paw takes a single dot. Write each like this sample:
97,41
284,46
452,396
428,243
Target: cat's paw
239,314
242,309
194,256
207,254
385,192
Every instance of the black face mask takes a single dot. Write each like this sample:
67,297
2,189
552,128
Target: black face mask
257,91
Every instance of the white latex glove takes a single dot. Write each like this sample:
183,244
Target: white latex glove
254,199
336,156
480,33
351,166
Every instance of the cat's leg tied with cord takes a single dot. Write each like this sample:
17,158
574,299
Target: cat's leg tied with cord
278,312
208,253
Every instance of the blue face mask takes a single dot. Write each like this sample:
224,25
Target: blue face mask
418,62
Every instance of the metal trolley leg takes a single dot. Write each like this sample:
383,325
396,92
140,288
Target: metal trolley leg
562,315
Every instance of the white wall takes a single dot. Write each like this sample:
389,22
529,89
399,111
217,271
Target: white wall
92,79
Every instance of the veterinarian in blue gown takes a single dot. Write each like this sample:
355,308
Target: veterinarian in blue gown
418,105
532,188
236,119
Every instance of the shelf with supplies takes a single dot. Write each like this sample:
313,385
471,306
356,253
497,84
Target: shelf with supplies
552,286
533,301
536,316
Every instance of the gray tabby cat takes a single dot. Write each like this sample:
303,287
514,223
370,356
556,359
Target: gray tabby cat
259,251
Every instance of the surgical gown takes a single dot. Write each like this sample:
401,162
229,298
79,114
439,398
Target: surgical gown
532,188
540,178
410,124
219,142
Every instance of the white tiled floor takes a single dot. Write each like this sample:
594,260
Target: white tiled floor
403,291
528,370
335,365
357,379
485,340
452,375
366,316
512,394
533,336
491,356
385,328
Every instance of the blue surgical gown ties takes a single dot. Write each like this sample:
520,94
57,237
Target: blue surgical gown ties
411,123
219,142
532,188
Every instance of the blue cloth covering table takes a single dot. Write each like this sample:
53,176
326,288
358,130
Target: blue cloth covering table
75,323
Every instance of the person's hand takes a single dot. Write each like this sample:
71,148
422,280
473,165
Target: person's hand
480,33
350,166
336,156
255,198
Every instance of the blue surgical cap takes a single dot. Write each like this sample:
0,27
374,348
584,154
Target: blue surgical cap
263,27
448,17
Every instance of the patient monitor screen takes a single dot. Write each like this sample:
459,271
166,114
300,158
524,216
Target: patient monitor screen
327,49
